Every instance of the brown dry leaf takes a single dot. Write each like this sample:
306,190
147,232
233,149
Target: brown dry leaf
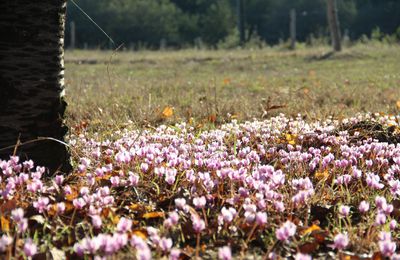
52,211
73,195
135,207
168,111
5,224
344,256
377,256
291,138
322,175
140,233
227,81
275,107
155,214
212,118
320,236
308,247
8,206
310,229
108,213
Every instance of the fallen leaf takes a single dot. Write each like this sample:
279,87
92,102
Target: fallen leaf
73,195
140,233
212,118
5,224
8,206
310,229
308,247
226,81
322,175
377,256
155,214
291,138
168,111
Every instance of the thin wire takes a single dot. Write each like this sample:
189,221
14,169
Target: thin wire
80,9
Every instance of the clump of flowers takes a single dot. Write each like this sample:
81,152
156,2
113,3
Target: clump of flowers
173,190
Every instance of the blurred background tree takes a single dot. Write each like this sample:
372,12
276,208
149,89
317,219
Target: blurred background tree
186,23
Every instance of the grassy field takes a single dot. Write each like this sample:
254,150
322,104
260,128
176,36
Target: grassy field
215,86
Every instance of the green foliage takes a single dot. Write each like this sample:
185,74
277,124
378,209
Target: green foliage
181,23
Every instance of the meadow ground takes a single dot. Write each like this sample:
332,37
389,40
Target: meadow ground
111,88
181,155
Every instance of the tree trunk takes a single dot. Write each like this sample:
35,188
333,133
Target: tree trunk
333,23
32,81
240,21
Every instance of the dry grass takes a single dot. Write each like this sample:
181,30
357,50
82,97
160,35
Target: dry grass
108,88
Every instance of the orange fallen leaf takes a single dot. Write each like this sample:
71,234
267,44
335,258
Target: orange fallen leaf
135,207
398,104
323,175
226,81
73,195
5,224
311,229
8,206
168,111
291,138
212,118
140,233
155,214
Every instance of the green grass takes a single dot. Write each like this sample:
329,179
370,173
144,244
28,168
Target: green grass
109,88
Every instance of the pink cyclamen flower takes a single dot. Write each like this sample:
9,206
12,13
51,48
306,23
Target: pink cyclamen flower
344,210
224,253
363,207
17,214
380,202
133,179
41,204
172,220
261,218
91,245
300,256
199,202
165,244
115,181
340,241
387,247
174,254
96,221
5,241
380,219
198,224
124,225
79,203
142,249
59,179
60,207
287,230
393,224
180,203
22,225
228,214
30,249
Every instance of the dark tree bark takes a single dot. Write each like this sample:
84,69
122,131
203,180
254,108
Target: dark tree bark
333,23
32,81
240,21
